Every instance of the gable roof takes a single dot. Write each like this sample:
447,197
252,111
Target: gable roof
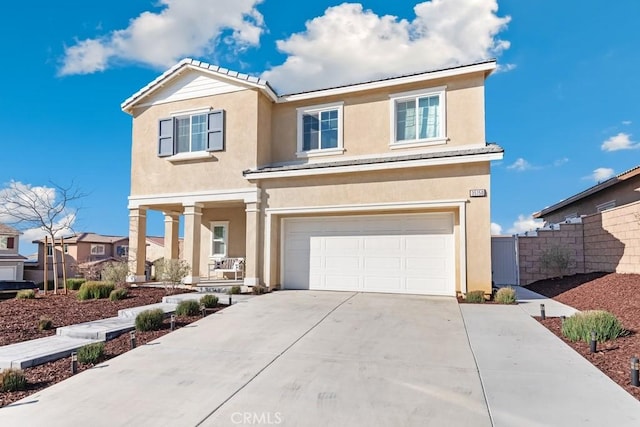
88,237
486,66
589,191
8,231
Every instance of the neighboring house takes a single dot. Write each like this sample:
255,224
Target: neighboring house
11,262
617,191
379,186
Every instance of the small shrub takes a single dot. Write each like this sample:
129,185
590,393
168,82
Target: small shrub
555,260
26,294
115,272
91,353
149,320
506,296
12,380
579,326
95,290
476,297
74,284
118,294
234,290
259,290
209,301
45,323
171,271
188,308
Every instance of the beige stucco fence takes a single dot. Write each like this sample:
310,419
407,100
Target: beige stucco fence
603,242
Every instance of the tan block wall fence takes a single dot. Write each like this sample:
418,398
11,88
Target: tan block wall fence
607,242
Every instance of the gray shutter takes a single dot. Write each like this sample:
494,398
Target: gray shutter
165,137
215,130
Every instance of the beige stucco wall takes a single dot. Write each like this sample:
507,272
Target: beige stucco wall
237,237
151,174
429,184
367,118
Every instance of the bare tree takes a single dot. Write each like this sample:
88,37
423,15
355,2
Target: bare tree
49,209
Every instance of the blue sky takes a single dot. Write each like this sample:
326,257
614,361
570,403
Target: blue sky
564,104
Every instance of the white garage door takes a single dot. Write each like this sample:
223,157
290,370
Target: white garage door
7,273
411,254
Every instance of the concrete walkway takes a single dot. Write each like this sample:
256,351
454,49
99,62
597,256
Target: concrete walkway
336,358
530,302
69,338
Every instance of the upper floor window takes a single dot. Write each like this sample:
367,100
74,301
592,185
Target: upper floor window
320,130
50,249
97,249
608,205
418,117
122,251
7,242
191,133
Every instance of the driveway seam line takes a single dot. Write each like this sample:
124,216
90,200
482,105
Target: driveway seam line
273,360
475,361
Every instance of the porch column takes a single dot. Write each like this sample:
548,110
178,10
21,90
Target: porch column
252,233
137,244
192,223
171,239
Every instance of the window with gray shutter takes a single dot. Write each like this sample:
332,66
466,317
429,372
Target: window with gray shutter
165,138
215,130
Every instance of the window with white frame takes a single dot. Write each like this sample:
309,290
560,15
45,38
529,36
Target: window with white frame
320,129
219,239
50,249
607,205
97,249
418,117
7,242
122,251
191,133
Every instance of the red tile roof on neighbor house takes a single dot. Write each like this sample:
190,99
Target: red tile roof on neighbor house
621,177
5,230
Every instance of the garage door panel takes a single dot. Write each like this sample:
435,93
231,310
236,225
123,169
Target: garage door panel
378,253
7,273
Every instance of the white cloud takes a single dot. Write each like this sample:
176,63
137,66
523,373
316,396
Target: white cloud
524,224
496,229
520,165
349,44
626,122
560,162
621,141
600,174
182,28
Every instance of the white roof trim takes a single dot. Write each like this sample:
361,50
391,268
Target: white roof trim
191,64
263,85
394,81
473,158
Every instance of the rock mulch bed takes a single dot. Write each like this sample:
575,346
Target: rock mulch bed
19,319
616,293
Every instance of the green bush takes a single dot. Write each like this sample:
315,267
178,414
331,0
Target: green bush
118,294
188,308
259,290
579,326
12,380
26,294
209,301
234,290
115,272
506,296
74,284
44,324
91,353
556,260
95,290
476,297
149,320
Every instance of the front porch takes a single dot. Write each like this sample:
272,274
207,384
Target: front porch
216,227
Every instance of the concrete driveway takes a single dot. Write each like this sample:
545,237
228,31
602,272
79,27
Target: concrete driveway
288,358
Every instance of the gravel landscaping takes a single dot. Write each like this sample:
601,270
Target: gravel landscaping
19,321
616,293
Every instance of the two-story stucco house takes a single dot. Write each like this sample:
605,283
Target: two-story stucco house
380,186
11,262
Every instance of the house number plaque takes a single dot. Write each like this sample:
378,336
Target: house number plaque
478,192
